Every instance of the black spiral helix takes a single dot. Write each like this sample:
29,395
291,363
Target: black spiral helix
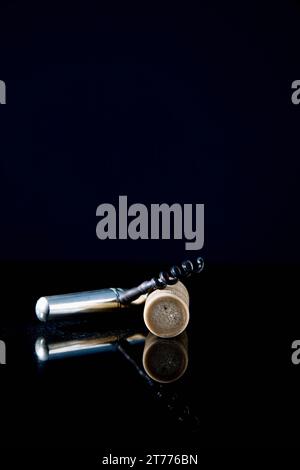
165,278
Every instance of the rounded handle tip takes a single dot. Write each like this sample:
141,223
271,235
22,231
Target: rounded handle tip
42,309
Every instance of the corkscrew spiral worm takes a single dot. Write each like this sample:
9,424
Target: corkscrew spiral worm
165,278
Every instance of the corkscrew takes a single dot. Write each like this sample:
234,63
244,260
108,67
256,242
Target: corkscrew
97,301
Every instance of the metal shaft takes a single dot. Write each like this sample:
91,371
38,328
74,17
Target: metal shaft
56,306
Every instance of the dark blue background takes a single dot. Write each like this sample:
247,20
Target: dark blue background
177,105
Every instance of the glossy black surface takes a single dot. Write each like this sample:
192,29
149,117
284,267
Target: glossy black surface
240,387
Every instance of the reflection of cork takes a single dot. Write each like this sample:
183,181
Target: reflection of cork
166,312
165,360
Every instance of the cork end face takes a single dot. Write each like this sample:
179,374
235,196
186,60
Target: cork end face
166,316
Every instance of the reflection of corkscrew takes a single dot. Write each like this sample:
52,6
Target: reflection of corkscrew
112,298
164,362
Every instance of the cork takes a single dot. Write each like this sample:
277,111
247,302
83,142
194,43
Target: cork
165,360
166,312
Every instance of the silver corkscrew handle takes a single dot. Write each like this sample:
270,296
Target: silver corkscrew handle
78,303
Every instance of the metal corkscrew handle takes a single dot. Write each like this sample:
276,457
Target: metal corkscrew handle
58,306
